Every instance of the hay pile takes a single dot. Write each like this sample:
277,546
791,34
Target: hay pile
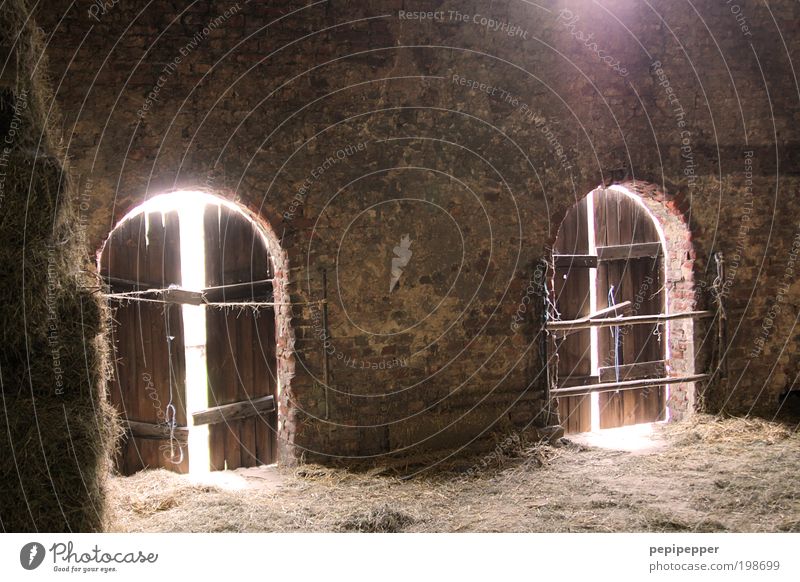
704,429
55,426
381,519
739,475
150,492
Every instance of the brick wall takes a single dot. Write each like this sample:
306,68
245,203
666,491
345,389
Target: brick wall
345,126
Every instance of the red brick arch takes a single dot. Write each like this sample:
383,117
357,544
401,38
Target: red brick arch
671,214
284,332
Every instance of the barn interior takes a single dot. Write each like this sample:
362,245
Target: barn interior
399,266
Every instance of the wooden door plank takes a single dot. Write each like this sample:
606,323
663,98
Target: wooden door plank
634,371
247,426
140,341
214,345
265,373
242,409
215,336
233,454
234,257
572,236
132,460
575,261
153,323
235,254
623,252
571,287
622,264
173,328
153,402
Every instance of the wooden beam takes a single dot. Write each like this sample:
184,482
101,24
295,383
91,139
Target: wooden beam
575,261
174,295
619,307
627,385
235,411
632,251
634,371
624,306
238,291
609,253
575,324
147,430
182,296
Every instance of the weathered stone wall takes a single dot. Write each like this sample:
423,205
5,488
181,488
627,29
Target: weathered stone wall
472,131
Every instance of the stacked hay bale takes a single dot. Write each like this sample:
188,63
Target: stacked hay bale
55,426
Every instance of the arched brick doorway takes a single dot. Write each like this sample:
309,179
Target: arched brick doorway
198,291
623,246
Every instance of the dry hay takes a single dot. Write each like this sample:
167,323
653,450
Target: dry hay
493,453
152,491
704,429
735,481
382,519
55,426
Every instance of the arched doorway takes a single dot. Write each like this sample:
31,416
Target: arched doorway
192,289
609,260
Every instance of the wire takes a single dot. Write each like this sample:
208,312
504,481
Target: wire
614,334
170,408
717,285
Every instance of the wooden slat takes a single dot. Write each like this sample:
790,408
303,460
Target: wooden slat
238,291
144,369
601,313
148,430
241,355
216,342
630,232
583,323
573,236
265,371
182,296
235,258
264,362
247,387
175,296
634,371
125,262
173,349
625,252
575,413
154,323
141,345
235,411
628,385
575,261
571,288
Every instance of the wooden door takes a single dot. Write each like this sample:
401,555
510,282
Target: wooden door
630,263
571,284
148,387
240,340
608,251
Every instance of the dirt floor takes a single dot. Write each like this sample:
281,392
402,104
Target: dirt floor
706,474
